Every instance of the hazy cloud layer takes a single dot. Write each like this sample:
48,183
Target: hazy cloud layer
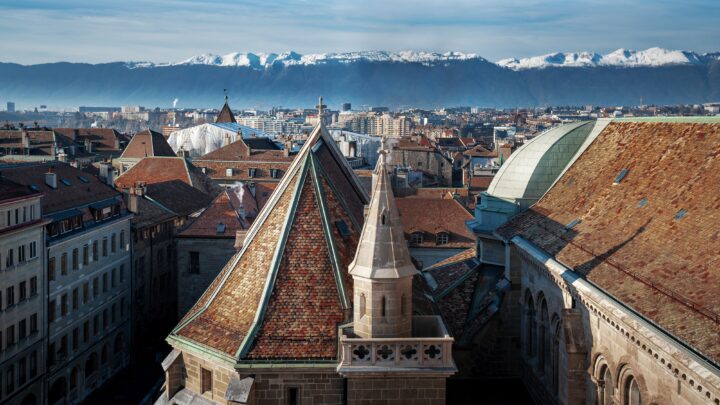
36,31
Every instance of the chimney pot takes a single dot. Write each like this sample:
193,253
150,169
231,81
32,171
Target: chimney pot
51,178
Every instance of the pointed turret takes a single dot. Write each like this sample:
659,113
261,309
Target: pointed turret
382,270
226,114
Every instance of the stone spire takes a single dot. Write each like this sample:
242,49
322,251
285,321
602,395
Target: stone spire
226,115
382,269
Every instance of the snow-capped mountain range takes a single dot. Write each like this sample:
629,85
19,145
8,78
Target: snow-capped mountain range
618,58
261,61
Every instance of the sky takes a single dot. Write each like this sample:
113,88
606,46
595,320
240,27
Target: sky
40,31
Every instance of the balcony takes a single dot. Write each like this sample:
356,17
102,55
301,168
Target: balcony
429,350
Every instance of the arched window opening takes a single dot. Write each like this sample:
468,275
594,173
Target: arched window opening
382,307
605,386
529,325
556,358
632,392
543,338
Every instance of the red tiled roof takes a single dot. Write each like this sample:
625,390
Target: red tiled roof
63,197
287,307
460,257
220,211
10,190
479,151
147,143
152,170
480,183
104,139
432,215
631,241
243,150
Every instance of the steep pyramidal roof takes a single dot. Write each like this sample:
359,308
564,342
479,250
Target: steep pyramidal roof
147,143
226,114
382,252
282,296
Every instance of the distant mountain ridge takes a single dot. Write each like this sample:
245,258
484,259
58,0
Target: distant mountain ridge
394,79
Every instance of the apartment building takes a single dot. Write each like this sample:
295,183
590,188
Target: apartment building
87,277
22,290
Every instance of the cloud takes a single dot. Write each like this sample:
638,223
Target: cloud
169,30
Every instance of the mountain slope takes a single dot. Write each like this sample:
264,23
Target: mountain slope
370,78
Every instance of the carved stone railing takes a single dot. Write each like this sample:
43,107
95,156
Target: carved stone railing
432,349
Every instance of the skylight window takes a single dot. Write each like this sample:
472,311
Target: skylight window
342,228
681,214
643,202
66,182
220,227
621,176
83,179
33,187
572,223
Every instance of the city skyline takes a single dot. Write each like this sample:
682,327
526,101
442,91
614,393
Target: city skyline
77,31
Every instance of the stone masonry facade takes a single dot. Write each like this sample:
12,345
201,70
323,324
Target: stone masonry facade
396,390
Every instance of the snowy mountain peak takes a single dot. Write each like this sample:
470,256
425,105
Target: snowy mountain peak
618,58
261,61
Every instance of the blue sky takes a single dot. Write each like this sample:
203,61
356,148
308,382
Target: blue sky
36,31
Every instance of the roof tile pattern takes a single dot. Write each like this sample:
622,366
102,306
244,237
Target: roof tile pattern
153,170
147,143
304,310
629,240
421,215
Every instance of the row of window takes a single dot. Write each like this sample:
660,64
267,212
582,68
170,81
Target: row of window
441,238
25,290
76,221
15,334
70,343
18,216
19,255
254,172
74,260
110,280
17,374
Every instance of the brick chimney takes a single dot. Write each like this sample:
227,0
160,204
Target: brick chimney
240,238
51,178
288,146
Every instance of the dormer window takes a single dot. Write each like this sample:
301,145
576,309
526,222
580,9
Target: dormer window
274,173
416,238
442,238
252,171
228,172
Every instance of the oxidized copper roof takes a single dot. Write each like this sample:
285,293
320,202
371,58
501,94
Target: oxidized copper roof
651,240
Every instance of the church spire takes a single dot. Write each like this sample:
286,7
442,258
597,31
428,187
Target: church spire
382,269
226,114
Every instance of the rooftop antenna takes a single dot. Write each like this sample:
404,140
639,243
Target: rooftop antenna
226,95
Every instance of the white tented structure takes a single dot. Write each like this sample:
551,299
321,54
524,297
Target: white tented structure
205,138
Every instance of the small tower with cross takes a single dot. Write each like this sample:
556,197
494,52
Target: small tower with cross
321,110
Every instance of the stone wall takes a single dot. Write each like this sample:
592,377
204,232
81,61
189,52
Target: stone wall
214,254
398,390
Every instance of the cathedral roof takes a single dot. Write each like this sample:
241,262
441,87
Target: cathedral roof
382,252
283,295
638,215
225,115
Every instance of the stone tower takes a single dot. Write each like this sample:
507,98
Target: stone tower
382,270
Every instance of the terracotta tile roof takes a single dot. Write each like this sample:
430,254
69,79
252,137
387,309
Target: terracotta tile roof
178,197
147,143
409,144
650,241
480,183
80,192
103,139
434,215
460,257
256,149
226,114
153,170
41,142
479,151
287,307
150,213
221,211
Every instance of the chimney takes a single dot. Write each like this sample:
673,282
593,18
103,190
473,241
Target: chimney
25,139
182,153
134,195
251,186
288,146
88,146
51,178
226,140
